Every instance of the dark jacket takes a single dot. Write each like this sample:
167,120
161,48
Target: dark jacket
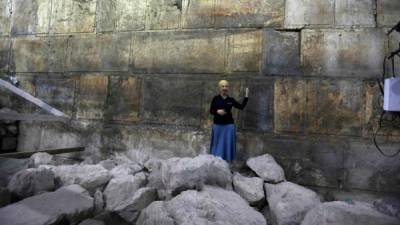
218,102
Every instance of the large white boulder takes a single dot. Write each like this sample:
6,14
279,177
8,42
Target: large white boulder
126,169
250,188
289,202
211,206
121,189
90,177
70,204
342,213
267,168
41,158
180,174
31,181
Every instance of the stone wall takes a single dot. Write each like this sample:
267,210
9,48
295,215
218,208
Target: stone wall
140,75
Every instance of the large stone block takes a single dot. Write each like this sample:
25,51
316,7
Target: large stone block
179,52
255,13
163,101
281,53
103,52
70,16
121,15
394,45
5,14
335,107
124,98
369,170
38,54
301,13
4,53
244,51
388,13
92,96
164,14
198,13
58,93
258,115
355,13
290,105
356,53
30,16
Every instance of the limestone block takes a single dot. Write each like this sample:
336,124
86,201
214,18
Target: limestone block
123,102
4,53
388,13
103,52
38,54
163,101
394,45
198,13
281,53
71,16
178,52
357,53
164,14
244,51
92,96
5,14
355,13
30,16
255,13
300,13
120,15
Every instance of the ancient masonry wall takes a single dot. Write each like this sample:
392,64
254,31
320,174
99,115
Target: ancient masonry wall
140,74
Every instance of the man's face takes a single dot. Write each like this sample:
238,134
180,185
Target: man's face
224,88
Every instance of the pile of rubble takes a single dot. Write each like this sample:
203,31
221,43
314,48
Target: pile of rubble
177,191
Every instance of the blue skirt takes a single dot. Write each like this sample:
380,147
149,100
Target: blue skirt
223,141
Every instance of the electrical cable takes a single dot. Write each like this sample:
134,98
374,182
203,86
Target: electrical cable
376,143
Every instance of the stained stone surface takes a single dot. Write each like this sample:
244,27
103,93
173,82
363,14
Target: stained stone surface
30,17
301,13
5,14
92,95
198,13
355,13
164,14
388,13
4,53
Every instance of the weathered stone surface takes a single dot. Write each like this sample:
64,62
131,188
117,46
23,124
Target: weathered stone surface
210,206
198,13
163,102
5,196
267,168
244,51
334,107
249,188
309,13
257,13
101,52
4,53
58,93
121,188
131,209
388,13
289,202
394,45
70,204
9,167
38,54
343,53
164,14
182,52
5,14
92,96
98,202
258,114
368,169
70,16
355,13
339,213
126,169
90,177
31,181
124,98
30,17
92,222
41,158
179,174
389,206
290,105
281,53
120,15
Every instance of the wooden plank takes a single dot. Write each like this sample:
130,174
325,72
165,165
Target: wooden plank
31,98
31,117
20,155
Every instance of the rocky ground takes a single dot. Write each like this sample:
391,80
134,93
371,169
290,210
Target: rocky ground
142,190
